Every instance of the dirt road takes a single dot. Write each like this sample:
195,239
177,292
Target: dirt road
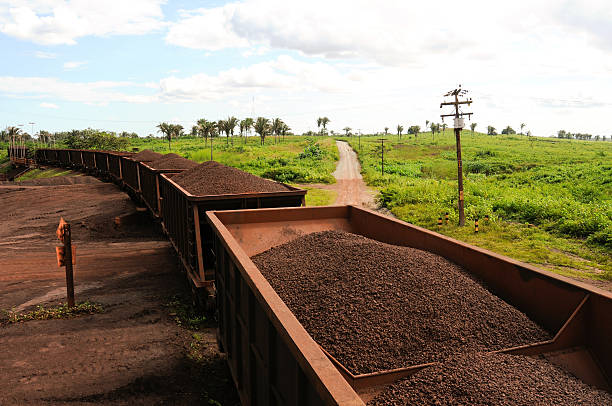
132,353
350,185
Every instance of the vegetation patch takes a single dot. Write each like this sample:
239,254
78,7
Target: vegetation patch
320,197
184,313
54,312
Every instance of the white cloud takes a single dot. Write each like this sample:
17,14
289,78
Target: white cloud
283,73
45,55
98,92
54,22
49,105
74,65
206,29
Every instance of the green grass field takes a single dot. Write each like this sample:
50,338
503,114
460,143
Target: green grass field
293,160
549,200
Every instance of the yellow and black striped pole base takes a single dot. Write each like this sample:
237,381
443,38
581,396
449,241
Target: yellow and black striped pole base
476,225
439,222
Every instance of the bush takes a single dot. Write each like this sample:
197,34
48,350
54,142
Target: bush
602,237
312,151
285,174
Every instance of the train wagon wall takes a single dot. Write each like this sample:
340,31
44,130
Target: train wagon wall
89,160
580,315
192,235
114,166
129,173
149,186
41,156
101,158
63,155
76,158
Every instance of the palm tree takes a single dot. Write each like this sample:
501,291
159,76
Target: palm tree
522,126
386,130
443,128
319,121
241,125
347,130
285,130
194,131
230,124
262,127
324,122
176,129
166,130
277,127
204,129
426,123
400,128
433,127
248,124
220,127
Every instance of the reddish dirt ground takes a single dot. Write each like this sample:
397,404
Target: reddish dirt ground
133,352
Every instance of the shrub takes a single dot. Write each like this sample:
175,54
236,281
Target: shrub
285,174
602,237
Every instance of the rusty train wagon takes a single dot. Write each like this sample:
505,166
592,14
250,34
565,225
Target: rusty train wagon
184,220
274,360
149,186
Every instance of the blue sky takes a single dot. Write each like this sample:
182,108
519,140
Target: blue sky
121,65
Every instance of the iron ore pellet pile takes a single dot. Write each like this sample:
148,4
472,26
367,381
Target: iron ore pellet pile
492,379
172,161
213,178
146,156
375,306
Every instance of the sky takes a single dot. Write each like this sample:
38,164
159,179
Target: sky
129,65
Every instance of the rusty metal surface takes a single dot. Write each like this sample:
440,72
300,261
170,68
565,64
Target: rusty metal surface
578,314
101,158
63,156
76,158
89,159
129,173
149,179
114,166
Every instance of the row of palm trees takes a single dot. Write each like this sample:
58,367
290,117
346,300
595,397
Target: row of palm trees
205,128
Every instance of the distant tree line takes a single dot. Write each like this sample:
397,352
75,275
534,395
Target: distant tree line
209,129
88,138
580,136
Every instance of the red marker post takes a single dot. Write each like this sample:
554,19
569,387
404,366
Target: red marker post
66,257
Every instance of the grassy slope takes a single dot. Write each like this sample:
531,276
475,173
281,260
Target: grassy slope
546,197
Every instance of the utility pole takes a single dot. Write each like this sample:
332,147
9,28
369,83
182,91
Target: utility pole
458,124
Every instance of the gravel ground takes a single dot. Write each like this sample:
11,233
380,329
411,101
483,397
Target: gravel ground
213,178
146,156
375,306
492,379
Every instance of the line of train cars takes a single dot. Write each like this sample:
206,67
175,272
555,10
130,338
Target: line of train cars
269,343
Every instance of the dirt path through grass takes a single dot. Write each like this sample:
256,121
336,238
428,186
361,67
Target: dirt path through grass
350,185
